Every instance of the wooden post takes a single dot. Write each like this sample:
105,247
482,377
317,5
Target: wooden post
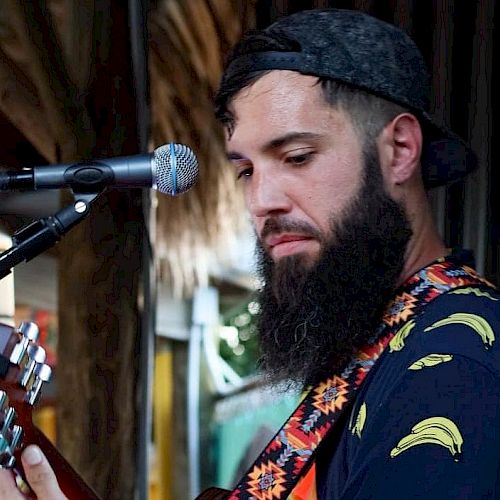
100,269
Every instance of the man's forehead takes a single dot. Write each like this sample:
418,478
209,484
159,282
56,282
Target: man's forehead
277,83
278,102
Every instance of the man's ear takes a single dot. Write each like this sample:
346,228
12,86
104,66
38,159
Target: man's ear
400,148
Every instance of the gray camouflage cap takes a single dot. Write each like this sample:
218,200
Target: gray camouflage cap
364,52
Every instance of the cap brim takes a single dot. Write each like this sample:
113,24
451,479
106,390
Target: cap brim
446,157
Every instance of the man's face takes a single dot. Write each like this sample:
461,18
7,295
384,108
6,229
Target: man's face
298,159
331,240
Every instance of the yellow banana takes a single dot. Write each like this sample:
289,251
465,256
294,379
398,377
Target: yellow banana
476,291
397,343
430,360
360,421
477,323
443,423
434,430
438,437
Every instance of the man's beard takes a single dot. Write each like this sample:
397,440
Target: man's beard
313,318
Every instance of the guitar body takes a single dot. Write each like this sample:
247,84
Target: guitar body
22,372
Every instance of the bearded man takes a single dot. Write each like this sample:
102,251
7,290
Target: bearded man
327,126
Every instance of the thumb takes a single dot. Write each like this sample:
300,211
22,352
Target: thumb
40,475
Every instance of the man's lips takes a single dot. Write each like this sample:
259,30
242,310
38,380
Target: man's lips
278,239
286,244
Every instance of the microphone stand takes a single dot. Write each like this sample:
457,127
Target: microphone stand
40,235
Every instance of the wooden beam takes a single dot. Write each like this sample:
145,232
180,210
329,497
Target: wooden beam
403,15
74,21
477,192
19,101
364,5
65,113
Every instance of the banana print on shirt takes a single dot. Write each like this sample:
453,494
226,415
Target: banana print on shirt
430,360
440,430
360,421
398,342
476,291
434,430
477,323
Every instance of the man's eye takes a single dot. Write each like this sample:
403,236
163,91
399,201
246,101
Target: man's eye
246,172
299,159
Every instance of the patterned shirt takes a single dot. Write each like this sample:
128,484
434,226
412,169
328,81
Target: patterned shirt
426,421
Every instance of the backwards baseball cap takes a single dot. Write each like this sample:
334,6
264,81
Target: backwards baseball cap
361,51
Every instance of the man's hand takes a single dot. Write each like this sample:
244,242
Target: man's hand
39,474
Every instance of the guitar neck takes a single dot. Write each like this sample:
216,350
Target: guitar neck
70,482
22,374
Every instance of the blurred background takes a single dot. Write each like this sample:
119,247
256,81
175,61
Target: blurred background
147,309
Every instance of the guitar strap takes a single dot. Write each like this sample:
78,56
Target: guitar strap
289,455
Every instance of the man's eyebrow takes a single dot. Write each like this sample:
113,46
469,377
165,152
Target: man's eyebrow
290,137
278,142
233,155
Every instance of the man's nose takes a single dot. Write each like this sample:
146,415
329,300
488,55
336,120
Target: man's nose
267,195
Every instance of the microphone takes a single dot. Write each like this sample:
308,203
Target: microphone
171,169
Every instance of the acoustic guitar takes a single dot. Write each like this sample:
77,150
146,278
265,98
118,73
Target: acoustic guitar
22,374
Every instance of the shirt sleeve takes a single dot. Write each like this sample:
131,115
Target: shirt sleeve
435,434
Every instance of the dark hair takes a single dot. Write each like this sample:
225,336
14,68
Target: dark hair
368,112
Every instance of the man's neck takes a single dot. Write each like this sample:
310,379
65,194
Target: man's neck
424,247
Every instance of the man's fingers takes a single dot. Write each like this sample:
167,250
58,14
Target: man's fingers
40,475
8,489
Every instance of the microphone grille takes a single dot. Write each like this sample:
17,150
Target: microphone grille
176,168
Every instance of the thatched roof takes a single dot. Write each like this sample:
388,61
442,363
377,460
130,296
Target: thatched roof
189,40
